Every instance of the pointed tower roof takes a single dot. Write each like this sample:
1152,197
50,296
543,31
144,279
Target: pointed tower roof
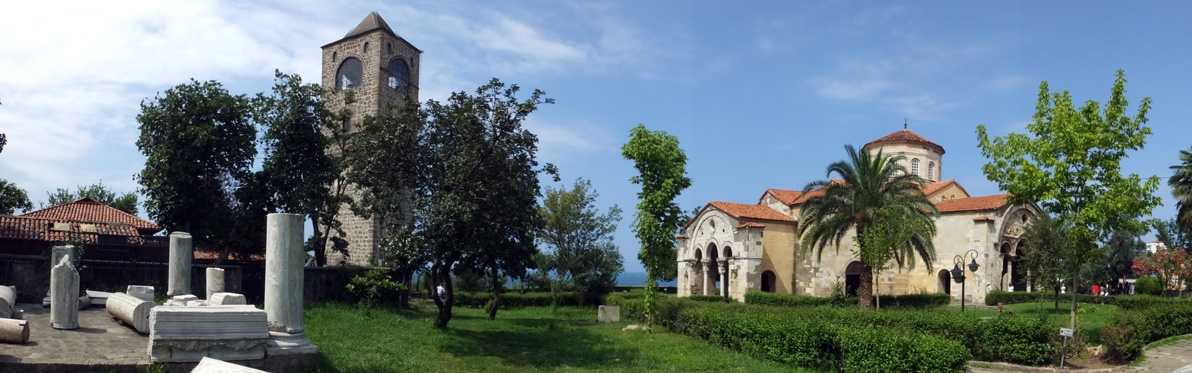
371,22
905,136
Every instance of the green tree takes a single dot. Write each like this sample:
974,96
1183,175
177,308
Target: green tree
662,173
1181,188
1044,263
126,202
582,254
476,207
13,198
871,187
1071,164
299,169
198,143
1173,234
896,235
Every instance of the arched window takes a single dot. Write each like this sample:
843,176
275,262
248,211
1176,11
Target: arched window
399,75
915,167
350,74
931,171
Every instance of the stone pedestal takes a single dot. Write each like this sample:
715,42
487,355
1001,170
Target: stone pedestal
64,295
130,310
215,281
283,284
8,301
180,300
181,258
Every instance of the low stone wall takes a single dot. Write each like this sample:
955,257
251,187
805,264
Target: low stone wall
31,276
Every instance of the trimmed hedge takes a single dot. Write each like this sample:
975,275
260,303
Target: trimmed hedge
711,298
1128,332
513,300
829,338
1123,301
891,301
1148,285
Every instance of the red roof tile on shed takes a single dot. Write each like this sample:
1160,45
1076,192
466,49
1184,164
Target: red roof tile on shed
87,210
983,203
905,135
33,228
786,196
741,210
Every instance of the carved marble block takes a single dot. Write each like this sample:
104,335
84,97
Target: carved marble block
144,292
226,299
187,334
130,310
64,295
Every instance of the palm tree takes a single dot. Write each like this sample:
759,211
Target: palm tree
870,186
1181,187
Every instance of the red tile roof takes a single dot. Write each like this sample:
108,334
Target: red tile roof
87,210
741,210
40,229
751,224
936,186
973,203
905,135
785,196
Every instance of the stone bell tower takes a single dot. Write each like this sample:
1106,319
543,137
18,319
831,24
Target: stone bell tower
380,69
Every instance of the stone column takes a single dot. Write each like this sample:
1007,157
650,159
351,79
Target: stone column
704,285
284,286
8,301
56,254
215,281
724,278
181,258
64,296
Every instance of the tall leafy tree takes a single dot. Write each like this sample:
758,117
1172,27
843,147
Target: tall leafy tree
896,235
299,169
581,255
1070,163
1044,263
1173,234
198,143
13,198
475,199
126,202
871,186
1181,187
662,173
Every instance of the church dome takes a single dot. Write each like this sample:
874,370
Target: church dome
905,136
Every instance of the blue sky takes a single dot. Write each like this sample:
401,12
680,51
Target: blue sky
761,94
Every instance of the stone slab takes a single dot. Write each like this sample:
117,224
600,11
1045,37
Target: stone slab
226,299
98,298
187,334
608,314
181,300
209,365
144,292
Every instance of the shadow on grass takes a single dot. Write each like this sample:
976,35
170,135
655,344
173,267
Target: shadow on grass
541,344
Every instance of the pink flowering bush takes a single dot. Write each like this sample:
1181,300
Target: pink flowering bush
1168,265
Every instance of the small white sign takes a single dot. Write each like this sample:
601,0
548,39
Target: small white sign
1066,332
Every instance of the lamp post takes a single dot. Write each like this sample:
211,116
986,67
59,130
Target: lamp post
958,274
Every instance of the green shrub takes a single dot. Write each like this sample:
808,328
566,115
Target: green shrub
1005,297
373,286
1015,339
877,350
785,300
515,300
1148,286
1128,332
711,298
916,300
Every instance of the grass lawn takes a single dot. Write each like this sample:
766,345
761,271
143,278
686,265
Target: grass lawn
1090,321
526,339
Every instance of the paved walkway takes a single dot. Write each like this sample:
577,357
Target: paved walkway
100,344
1172,358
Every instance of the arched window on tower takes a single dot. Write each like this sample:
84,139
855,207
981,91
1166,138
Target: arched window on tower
915,167
931,171
350,74
399,75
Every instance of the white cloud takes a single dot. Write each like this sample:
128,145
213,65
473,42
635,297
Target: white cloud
562,141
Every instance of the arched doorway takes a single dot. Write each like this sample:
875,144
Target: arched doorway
768,281
1018,273
852,278
1007,263
945,281
697,277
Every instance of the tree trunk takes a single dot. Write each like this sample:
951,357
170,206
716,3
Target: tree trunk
877,296
1057,299
1072,324
496,284
441,274
865,288
320,248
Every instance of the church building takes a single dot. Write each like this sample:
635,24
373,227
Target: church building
733,248
379,69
